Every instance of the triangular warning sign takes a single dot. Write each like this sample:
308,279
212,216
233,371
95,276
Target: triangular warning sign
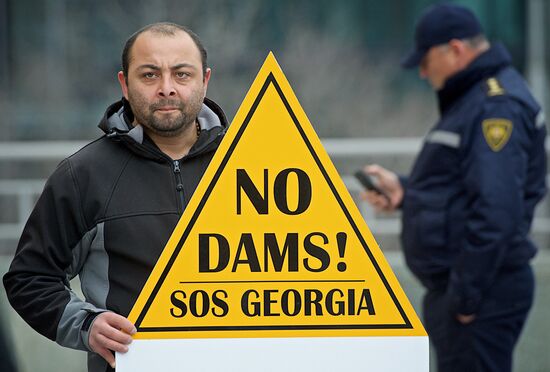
271,243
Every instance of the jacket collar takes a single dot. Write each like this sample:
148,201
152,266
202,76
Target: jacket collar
116,123
485,65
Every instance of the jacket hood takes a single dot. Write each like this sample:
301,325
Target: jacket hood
117,125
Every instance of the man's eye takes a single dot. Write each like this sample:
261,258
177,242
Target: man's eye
182,74
149,75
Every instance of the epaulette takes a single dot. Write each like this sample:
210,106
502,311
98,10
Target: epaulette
493,87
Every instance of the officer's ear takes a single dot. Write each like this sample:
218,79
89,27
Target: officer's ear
463,53
457,46
460,52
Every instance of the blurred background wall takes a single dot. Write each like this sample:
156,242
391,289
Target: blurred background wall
58,65
59,58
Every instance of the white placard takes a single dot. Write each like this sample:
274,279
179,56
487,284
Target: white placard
388,354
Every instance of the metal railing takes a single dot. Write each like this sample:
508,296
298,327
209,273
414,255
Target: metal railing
26,191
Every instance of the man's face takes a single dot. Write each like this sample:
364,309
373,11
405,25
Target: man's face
438,65
165,84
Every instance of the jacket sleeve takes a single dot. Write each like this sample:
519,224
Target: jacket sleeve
494,166
37,283
404,182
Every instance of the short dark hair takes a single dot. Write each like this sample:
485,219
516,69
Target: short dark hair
165,29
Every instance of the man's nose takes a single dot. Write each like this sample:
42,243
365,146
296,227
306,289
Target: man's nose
166,88
422,72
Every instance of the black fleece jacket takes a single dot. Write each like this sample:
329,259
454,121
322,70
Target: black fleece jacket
105,214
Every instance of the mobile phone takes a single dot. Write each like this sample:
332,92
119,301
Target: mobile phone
369,182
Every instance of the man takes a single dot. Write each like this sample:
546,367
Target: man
468,203
107,211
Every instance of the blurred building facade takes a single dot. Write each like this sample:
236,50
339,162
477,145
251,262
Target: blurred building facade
58,58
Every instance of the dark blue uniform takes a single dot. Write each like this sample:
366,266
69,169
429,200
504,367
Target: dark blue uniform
467,210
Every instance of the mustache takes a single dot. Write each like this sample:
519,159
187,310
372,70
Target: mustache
167,103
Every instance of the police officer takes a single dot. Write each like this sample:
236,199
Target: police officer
468,203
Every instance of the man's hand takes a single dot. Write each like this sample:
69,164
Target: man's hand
465,319
389,183
110,331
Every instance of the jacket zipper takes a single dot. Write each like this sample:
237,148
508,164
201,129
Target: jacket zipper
179,184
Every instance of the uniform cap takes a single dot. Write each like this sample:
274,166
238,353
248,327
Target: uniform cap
439,24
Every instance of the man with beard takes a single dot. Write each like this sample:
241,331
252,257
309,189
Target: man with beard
469,200
108,210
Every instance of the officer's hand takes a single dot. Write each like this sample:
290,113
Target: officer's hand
389,183
110,331
465,319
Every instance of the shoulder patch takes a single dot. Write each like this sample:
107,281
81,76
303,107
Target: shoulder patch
497,132
494,88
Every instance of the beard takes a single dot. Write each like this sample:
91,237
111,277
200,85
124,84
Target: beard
165,124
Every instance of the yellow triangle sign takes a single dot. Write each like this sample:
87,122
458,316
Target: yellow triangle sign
271,243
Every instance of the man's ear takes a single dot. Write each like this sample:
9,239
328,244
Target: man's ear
458,47
206,79
463,53
123,84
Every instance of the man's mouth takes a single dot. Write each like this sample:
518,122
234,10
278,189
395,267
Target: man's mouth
167,109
